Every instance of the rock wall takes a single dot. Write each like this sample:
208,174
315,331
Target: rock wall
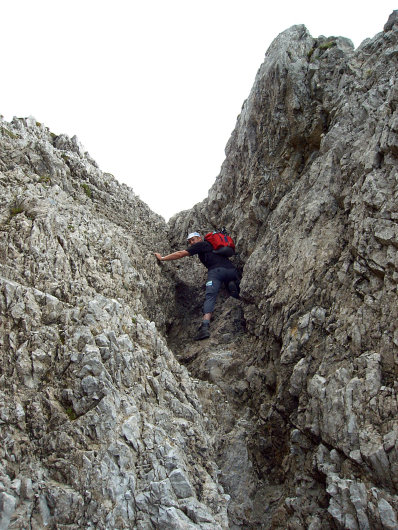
112,417
101,427
308,189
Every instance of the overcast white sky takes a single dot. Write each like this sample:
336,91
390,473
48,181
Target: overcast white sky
152,88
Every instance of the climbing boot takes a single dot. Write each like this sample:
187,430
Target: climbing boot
204,332
233,289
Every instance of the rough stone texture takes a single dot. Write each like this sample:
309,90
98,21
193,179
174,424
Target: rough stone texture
101,427
112,417
308,190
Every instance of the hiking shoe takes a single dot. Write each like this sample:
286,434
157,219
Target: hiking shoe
233,289
203,333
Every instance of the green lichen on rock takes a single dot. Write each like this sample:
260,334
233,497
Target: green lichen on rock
16,208
8,133
328,44
45,179
71,413
320,47
87,189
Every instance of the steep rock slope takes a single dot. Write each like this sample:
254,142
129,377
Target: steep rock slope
308,189
100,426
111,417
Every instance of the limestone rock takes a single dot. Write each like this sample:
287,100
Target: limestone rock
307,190
101,426
286,417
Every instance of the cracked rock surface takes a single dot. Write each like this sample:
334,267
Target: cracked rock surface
111,416
308,190
101,427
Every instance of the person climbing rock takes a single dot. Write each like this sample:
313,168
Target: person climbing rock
220,270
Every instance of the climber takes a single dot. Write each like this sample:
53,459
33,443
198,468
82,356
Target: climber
220,270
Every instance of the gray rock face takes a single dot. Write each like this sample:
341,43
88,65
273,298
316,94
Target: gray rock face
308,191
101,427
112,417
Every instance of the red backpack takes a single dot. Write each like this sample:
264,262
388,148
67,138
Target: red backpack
221,242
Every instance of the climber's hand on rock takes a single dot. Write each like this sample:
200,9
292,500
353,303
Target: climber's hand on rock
158,256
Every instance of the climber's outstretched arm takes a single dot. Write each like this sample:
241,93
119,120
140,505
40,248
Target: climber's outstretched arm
175,255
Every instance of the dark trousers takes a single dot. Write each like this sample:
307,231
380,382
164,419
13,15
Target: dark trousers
215,278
